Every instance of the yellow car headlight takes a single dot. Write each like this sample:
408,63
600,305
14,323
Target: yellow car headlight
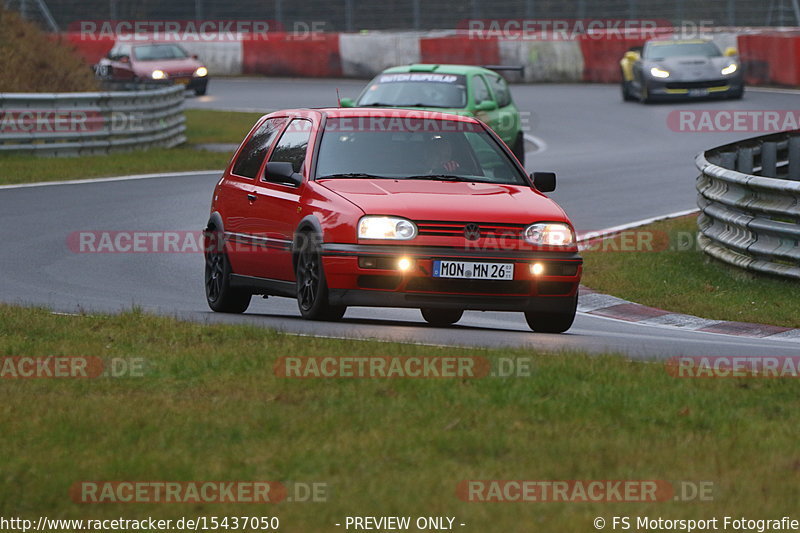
158,75
730,69
201,72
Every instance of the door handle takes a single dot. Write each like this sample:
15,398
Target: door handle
252,197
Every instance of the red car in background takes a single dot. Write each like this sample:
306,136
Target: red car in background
389,208
156,62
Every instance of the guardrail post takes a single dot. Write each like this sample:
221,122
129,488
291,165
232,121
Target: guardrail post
727,160
744,160
769,159
794,158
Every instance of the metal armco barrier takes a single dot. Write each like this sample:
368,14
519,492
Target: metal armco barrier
749,198
69,124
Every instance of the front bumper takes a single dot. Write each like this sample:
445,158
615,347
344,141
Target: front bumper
385,285
681,90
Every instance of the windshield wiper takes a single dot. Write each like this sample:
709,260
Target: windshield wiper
355,175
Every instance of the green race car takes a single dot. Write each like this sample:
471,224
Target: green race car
461,89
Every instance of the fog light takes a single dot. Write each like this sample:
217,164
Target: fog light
367,262
537,268
404,264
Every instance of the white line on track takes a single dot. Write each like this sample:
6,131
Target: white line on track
115,178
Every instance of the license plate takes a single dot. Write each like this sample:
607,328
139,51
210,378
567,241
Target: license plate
698,92
182,81
472,270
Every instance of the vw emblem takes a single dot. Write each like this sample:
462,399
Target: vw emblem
472,232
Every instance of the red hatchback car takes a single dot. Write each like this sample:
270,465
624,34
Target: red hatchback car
389,208
155,62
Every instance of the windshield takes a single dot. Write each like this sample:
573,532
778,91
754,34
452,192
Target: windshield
413,148
416,89
666,50
155,52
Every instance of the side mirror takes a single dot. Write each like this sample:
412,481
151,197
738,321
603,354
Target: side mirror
731,51
347,102
544,181
124,59
631,56
194,56
282,172
486,105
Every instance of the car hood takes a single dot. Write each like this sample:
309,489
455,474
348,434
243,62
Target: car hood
452,201
692,68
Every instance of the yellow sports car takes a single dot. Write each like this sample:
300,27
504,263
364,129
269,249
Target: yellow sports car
678,69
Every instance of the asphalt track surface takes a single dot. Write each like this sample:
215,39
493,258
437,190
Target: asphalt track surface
616,163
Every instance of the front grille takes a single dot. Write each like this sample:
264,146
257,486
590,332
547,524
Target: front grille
456,229
695,84
468,286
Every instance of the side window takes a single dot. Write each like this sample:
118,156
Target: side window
291,148
254,152
479,89
123,50
501,92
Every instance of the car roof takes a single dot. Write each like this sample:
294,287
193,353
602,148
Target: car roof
439,69
377,112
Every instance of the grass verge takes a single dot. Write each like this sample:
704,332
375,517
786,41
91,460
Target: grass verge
660,265
211,408
201,127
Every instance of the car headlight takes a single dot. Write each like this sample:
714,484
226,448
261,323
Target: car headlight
158,75
659,72
375,227
550,234
201,72
730,69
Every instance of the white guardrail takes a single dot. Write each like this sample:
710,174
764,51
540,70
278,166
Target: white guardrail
749,198
68,124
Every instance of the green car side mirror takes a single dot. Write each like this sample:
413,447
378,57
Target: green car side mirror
347,102
486,105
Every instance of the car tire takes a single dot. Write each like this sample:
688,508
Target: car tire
544,322
312,287
626,92
644,96
220,296
519,148
441,317
738,94
201,91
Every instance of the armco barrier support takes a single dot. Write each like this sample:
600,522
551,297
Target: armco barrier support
284,54
66,124
749,197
